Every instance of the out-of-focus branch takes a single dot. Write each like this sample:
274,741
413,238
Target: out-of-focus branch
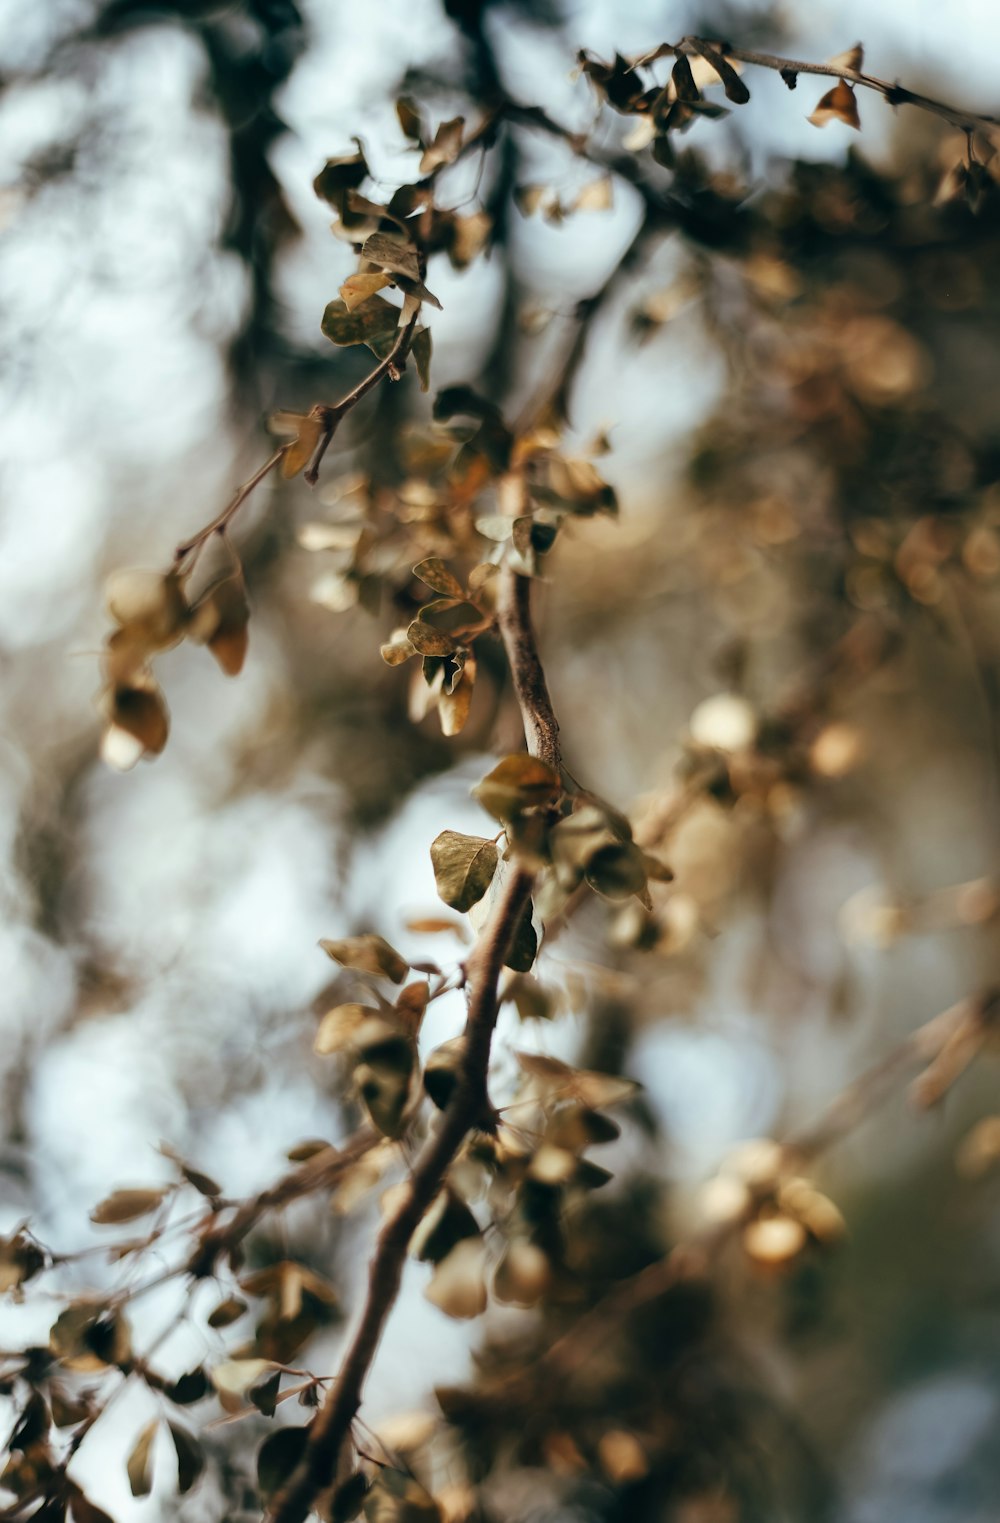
944,1046
468,1109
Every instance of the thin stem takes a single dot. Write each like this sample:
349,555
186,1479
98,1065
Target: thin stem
468,1109
220,523
331,414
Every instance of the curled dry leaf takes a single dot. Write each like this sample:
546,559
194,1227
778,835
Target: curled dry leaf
409,118
445,146
126,1206
339,1026
837,105
435,574
523,1275
149,605
357,288
516,784
458,1285
138,722
853,60
306,433
368,954
398,648
190,1457
220,621
455,703
140,1461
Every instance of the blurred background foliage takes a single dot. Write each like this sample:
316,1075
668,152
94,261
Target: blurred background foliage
781,658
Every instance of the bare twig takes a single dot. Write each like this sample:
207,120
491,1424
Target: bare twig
221,522
332,414
468,1109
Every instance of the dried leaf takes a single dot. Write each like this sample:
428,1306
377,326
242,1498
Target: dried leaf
516,784
448,1221
408,115
463,868
398,1498
386,1093
398,648
374,324
435,574
148,603
411,1004
445,147
853,60
595,1090
367,954
126,1206
357,288
837,105
227,1311
442,1069
277,1457
774,1241
264,1395
458,1286
82,1509
421,351
20,1260
429,641
226,614
454,706
234,1377
339,1026
140,1461
394,253
190,1457
307,432
340,175
736,90
523,1275
137,712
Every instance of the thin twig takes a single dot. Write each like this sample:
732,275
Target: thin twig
220,523
332,414
468,1109
895,94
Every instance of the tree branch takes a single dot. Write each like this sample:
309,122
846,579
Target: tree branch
467,1110
541,728
895,94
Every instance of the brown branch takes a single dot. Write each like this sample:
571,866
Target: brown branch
895,94
332,414
467,1110
541,728
221,522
